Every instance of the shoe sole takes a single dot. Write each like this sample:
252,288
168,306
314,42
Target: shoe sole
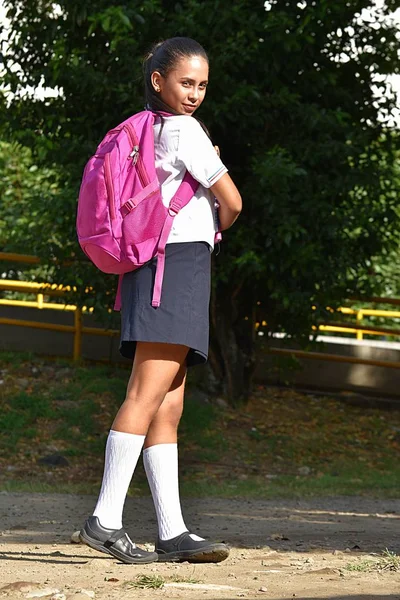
85,539
213,554
96,545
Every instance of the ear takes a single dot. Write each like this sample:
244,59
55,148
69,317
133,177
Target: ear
156,81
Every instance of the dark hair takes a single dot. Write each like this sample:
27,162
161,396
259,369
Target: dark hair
163,58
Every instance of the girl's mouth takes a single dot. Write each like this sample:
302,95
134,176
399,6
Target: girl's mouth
189,107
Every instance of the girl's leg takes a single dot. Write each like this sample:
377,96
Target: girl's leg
160,459
154,370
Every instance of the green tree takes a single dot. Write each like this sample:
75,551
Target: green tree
291,106
385,268
26,192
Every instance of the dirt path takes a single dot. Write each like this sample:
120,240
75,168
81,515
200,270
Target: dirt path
280,549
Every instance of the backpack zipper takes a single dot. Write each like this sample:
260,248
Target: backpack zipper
136,157
109,184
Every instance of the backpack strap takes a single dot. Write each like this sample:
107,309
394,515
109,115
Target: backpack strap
182,197
185,193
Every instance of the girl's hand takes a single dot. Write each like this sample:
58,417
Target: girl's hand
229,200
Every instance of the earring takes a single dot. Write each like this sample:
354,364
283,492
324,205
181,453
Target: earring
157,89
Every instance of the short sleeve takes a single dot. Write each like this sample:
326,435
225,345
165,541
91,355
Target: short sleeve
197,153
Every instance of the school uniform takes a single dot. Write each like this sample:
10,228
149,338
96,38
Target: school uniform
181,145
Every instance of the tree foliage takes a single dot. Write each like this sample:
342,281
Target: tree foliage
290,104
26,192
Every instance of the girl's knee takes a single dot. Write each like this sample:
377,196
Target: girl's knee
174,408
150,401
170,411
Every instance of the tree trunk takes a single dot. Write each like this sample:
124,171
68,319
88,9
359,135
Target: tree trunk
232,345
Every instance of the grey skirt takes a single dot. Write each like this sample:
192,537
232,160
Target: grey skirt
183,316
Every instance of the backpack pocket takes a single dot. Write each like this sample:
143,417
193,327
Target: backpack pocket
145,220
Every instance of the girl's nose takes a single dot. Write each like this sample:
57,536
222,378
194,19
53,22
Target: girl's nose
194,94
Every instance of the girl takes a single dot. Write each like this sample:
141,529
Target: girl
163,342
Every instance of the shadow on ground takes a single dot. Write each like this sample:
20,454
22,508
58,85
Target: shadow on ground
344,523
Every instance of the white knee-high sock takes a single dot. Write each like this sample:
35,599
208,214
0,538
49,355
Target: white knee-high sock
161,466
122,453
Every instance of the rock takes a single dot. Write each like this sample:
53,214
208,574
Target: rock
263,589
54,460
42,592
30,589
221,403
22,383
86,593
59,596
75,539
20,586
63,373
278,537
304,471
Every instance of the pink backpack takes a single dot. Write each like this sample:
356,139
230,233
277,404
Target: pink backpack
122,222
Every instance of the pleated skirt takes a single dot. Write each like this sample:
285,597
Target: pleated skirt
183,316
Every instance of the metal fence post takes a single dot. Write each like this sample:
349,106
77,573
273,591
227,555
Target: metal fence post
360,316
78,334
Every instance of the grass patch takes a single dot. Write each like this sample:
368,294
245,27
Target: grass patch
281,444
363,566
15,358
178,579
388,561
155,582
146,582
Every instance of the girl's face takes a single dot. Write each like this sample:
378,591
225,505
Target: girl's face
184,88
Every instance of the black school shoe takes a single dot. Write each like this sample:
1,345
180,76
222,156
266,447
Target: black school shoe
115,542
184,548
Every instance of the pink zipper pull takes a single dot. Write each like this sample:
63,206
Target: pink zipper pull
134,155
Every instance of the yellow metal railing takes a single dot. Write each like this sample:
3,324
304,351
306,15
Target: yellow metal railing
358,328
41,291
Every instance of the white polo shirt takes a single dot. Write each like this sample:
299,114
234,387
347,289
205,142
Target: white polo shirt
182,145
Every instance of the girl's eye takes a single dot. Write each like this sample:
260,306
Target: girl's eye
185,83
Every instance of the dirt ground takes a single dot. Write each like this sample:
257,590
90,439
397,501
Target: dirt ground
280,549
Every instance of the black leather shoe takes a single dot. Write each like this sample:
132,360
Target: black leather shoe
184,548
115,542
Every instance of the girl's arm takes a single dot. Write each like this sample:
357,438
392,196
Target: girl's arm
229,200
